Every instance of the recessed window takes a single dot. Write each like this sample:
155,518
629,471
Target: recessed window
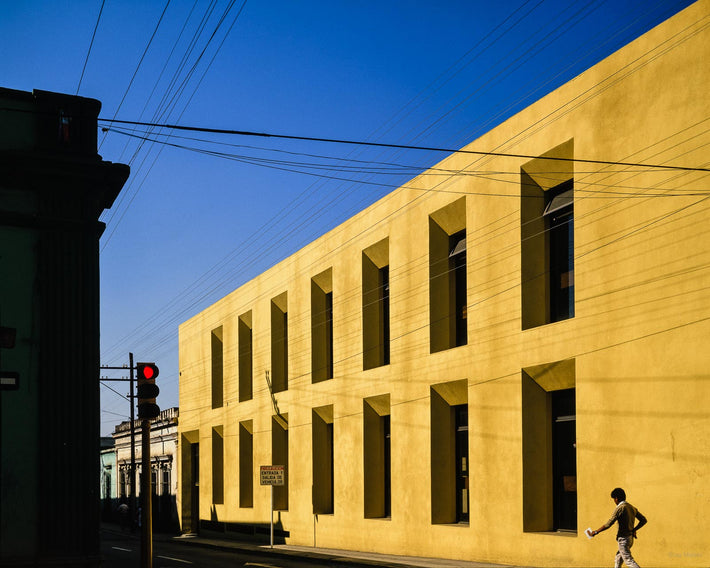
323,461
165,482
448,311
559,222
549,447
246,464
322,326
547,237
217,466
279,343
217,382
377,457
376,306
449,453
279,456
246,356
189,485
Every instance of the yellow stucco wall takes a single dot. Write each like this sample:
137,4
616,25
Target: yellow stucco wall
638,344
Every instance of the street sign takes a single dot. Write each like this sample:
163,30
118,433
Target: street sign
9,380
272,474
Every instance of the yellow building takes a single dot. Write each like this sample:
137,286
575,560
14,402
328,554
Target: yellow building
466,368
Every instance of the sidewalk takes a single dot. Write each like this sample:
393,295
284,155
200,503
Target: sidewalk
333,557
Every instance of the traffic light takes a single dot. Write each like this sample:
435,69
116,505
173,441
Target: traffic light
147,390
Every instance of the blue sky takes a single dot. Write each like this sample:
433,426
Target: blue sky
189,227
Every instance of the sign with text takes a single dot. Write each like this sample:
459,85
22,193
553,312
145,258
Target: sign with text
9,380
272,474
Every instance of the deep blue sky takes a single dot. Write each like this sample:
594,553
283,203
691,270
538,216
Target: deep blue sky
188,227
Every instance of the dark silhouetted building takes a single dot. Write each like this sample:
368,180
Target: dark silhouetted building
53,188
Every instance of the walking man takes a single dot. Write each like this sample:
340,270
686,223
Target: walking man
625,514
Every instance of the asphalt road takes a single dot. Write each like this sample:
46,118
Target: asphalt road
123,551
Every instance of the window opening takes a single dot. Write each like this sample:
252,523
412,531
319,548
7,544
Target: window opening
559,221
246,464
377,459
457,265
323,458
195,486
564,460
376,306
217,368
279,343
322,326
448,314
246,357
279,456
461,414
217,467
329,333
388,465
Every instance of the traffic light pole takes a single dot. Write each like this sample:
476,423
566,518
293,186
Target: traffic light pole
132,500
146,392
146,500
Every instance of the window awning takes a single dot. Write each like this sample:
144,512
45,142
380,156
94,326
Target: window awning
559,201
459,247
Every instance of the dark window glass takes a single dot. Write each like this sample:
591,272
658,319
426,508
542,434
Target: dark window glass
388,462
559,214
329,332
385,302
457,275
564,460
462,466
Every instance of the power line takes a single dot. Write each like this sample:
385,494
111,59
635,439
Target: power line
216,286
388,168
113,390
452,174
168,106
391,145
536,156
140,62
91,44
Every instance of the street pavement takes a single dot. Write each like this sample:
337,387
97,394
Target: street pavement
336,557
123,549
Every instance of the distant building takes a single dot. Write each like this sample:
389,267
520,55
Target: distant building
163,464
108,478
469,366
53,188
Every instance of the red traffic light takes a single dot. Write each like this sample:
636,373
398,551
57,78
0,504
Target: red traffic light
147,390
147,371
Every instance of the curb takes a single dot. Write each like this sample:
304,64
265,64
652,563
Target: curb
331,557
327,559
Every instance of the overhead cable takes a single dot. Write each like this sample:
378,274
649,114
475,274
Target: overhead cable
233,132
91,44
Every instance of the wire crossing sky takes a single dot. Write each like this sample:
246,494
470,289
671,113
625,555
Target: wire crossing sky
198,217
392,146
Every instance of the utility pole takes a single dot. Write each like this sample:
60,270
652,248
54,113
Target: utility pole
146,498
147,409
132,500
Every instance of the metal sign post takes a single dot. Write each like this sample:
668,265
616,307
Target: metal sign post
272,475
